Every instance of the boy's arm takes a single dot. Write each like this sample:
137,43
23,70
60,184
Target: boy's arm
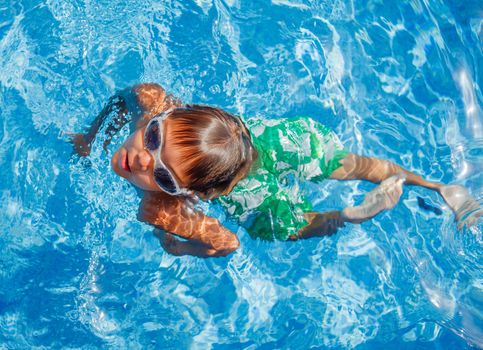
207,237
117,108
149,100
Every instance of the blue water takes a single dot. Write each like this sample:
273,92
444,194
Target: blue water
396,79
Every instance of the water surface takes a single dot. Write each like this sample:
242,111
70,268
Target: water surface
397,80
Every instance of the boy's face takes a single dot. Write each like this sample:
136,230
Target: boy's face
134,163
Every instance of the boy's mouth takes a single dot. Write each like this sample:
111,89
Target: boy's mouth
125,163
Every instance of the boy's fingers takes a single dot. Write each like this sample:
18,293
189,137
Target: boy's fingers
66,133
71,136
105,148
309,216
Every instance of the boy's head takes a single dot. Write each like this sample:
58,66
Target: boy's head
206,150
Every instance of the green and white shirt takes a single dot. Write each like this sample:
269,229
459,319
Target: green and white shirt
267,203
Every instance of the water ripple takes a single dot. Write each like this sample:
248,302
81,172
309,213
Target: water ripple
398,80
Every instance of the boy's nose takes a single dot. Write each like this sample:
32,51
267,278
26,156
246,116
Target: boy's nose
143,160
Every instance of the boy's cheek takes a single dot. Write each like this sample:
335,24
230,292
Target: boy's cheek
135,140
144,183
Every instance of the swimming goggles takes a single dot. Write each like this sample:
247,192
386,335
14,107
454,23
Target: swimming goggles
153,142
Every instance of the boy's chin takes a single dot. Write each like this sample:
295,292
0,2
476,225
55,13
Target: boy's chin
117,169
114,166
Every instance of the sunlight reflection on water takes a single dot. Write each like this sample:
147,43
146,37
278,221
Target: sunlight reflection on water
398,80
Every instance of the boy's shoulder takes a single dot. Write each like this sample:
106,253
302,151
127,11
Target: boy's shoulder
153,98
261,125
150,96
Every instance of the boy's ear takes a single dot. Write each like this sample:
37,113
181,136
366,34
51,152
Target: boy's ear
212,193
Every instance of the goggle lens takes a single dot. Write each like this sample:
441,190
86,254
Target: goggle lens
152,136
164,180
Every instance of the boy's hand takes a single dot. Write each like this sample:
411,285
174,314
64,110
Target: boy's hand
320,224
167,241
82,145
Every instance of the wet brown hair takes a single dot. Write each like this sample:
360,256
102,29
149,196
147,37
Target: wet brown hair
216,145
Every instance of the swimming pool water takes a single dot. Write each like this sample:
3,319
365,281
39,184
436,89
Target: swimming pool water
399,80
